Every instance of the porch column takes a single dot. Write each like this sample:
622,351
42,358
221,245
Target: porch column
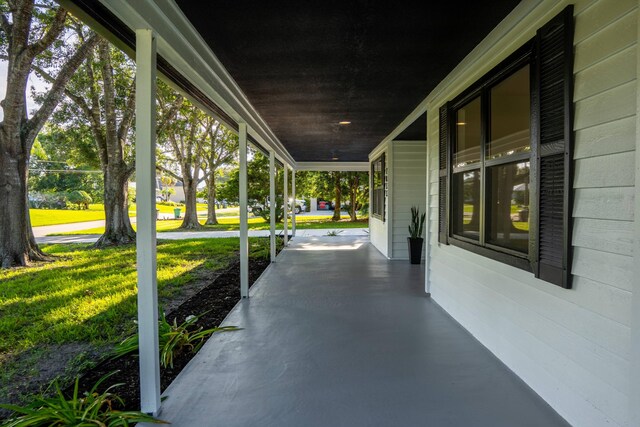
244,215
286,204
146,213
293,205
427,229
634,397
272,205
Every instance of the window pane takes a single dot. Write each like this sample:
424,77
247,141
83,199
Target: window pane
466,204
508,206
378,183
468,134
510,115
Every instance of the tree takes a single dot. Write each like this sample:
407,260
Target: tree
257,181
337,184
219,150
80,198
357,187
64,160
167,192
167,186
184,136
101,97
27,32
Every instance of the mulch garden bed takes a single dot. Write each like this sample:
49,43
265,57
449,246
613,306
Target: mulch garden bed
216,300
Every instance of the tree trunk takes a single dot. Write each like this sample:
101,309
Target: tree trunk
211,200
18,131
354,195
190,220
118,230
17,244
336,210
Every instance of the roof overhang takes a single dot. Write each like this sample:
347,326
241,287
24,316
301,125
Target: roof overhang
224,88
189,64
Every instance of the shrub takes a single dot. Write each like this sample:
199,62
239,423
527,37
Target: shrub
80,198
48,200
265,213
90,409
169,203
174,339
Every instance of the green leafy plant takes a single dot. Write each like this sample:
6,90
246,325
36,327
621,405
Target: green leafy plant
90,409
80,198
174,339
417,222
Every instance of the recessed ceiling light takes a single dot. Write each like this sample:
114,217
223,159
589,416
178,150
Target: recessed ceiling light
461,123
344,123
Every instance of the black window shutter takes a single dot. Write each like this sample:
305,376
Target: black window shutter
443,177
554,154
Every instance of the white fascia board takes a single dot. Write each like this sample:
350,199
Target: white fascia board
333,166
380,148
182,46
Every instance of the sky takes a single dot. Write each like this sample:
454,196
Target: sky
33,81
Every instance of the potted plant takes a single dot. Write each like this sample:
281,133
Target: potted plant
415,239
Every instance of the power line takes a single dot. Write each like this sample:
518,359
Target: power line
64,171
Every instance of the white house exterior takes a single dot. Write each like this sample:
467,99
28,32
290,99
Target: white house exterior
406,187
578,347
556,297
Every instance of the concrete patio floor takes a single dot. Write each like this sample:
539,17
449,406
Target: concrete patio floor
336,335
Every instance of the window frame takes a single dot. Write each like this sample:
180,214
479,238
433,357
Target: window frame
522,57
552,161
383,193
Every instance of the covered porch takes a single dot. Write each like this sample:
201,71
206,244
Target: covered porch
336,334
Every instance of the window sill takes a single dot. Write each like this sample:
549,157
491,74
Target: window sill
512,260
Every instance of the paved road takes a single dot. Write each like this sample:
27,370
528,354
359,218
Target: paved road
65,228
177,235
42,233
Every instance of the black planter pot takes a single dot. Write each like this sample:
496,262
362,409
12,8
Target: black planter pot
415,249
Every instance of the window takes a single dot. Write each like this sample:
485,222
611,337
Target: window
505,158
491,158
378,186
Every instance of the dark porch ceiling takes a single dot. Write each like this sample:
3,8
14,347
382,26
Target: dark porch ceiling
306,65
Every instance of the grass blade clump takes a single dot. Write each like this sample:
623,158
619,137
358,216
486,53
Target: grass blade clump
174,339
90,409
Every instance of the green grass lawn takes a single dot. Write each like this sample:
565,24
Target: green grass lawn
40,217
88,296
227,224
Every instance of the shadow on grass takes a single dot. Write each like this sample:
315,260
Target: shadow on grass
54,308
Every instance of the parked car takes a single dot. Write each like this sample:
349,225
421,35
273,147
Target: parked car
256,208
300,206
325,205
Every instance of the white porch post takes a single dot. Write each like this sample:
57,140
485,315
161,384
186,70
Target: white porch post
272,205
286,204
244,215
427,239
293,205
146,213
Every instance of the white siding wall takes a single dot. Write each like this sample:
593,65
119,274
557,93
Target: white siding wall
378,234
409,189
571,346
